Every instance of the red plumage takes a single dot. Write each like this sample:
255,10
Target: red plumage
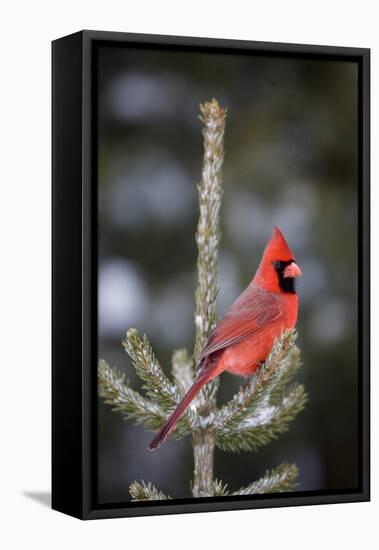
242,340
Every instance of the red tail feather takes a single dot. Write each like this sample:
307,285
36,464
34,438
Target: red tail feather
175,416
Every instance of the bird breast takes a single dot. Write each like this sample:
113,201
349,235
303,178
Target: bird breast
245,357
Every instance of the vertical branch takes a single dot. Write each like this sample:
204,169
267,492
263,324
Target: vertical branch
203,442
208,232
208,236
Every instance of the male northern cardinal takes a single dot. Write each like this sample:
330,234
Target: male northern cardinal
243,339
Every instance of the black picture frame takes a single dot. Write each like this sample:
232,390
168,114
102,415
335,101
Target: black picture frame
74,295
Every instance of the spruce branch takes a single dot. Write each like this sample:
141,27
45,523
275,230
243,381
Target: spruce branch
279,480
216,488
156,384
116,392
286,376
278,368
208,237
146,491
147,367
182,370
264,407
208,232
273,421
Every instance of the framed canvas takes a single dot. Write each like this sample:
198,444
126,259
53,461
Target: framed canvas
210,275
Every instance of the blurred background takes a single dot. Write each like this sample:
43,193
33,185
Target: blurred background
291,161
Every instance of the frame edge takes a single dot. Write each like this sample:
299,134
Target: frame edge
67,474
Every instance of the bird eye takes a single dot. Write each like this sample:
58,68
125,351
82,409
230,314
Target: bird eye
277,265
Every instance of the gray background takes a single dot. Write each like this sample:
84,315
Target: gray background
291,160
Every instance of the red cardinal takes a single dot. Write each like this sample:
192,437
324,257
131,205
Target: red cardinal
244,338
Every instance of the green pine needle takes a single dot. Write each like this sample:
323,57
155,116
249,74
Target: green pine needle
279,480
146,491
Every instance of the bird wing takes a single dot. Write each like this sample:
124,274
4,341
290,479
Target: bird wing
248,316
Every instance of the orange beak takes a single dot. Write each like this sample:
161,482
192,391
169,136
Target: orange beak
292,270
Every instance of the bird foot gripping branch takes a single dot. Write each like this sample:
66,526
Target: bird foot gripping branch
257,328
